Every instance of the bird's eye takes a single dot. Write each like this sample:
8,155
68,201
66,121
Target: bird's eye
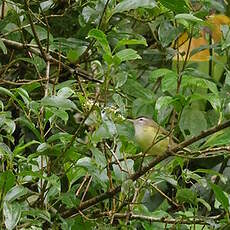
141,119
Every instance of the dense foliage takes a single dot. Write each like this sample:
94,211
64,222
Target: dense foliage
72,72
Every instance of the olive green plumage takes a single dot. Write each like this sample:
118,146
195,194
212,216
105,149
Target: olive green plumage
151,137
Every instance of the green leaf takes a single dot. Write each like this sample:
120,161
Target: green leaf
142,107
7,181
220,195
167,33
186,195
20,148
38,214
135,89
74,54
163,107
188,17
15,193
6,92
178,6
192,122
62,114
12,214
169,82
24,121
124,42
63,137
127,5
220,138
3,47
40,31
155,74
205,203
101,38
214,99
127,54
65,92
211,172
105,131
58,102
99,157
120,79
25,96
5,150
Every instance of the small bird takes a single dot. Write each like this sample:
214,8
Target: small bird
150,136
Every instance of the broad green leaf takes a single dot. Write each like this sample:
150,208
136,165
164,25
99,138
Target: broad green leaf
38,213
127,186
74,54
106,130
65,92
142,107
3,47
135,89
69,199
186,195
120,79
211,172
192,122
127,55
130,42
101,38
99,157
218,139
220,195
12,214
169,82
163,107
16,192
43,147
25,122
63,137
68,83
6,92
178,6
59,113
127,5
155,74
188,17
205,203
7,181
25,96
214,99
167,33
4,149
41,32
58,102
119,102
20,148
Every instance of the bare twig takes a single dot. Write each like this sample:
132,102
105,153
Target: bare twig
82,184
168,220
76,70
44,55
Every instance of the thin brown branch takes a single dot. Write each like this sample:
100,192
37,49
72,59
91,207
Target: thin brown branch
162,193
146,168
78,71
82,184
168,220
43,53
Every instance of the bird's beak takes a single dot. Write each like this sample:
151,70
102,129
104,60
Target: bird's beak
131,120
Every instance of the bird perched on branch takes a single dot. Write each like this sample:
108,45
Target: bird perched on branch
150,136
